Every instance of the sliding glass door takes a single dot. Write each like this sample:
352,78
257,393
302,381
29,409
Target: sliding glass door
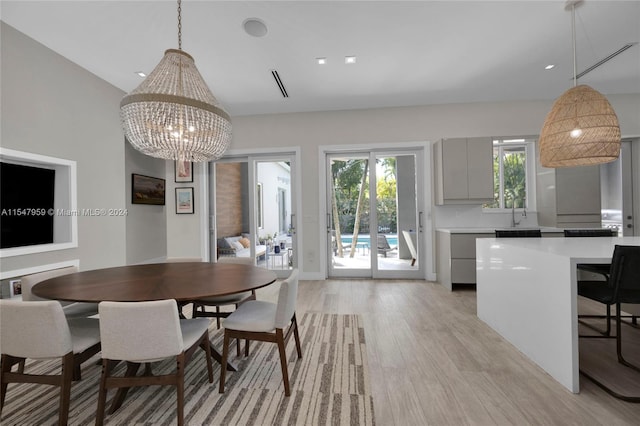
374,214
253,210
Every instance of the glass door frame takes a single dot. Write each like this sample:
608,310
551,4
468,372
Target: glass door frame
252,158
421,150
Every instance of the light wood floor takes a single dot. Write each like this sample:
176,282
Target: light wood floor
433,362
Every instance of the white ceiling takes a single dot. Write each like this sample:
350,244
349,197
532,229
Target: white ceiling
408,52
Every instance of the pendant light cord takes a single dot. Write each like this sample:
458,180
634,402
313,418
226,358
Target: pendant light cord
573,42
180,25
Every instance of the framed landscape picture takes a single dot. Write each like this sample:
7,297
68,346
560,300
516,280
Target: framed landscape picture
147,190
184,171
184,201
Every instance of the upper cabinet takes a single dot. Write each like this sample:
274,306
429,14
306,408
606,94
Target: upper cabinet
463,171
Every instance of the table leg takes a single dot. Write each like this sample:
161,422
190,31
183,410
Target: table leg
218,357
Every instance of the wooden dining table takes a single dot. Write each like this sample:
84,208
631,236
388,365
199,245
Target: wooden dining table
183,282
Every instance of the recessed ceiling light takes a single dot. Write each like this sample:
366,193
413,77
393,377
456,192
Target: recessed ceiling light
141,74
255,27
349,59
549,67
321,61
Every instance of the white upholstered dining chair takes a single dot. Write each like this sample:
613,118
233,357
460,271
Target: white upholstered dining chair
40,330
199,306
145,332
266,322
71,309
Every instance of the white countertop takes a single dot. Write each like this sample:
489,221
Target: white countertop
587,248
493,230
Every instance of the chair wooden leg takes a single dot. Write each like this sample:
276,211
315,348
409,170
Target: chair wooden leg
180,387
283,361
225,354
217,316
246,347
65,388
207,351
296,336
7,363
102,393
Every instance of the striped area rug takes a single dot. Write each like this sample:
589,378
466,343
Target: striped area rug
330,385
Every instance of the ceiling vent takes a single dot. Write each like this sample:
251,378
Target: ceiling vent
280,84
607,59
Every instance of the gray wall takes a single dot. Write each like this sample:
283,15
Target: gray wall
146,229
51,106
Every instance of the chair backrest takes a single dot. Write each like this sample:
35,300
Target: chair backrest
36,329
382,242
28,281
140,331
183,259
518,233
287,299
595,232
625,274
237,260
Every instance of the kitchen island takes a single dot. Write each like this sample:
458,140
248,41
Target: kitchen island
456,252
527,292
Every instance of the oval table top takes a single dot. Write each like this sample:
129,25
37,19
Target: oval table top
137,283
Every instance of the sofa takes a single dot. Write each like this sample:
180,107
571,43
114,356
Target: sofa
238,246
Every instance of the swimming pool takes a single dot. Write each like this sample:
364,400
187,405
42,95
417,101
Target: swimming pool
346,239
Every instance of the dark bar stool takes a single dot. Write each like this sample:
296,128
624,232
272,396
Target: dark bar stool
623,286
596,268
518,233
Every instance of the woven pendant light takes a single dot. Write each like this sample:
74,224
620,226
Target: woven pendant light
173,115
581,128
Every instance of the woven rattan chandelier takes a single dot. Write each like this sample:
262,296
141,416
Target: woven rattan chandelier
582,128
172,114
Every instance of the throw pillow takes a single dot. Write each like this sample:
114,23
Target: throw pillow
237,245
223,244
245,242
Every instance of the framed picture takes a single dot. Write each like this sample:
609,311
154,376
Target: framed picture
184,200
147,190
184,171
15,288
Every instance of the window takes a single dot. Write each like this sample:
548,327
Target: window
511,173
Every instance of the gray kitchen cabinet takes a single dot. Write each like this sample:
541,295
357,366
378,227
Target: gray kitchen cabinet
456,254
463,171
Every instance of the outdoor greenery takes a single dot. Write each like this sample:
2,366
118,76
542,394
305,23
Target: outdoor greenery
350,200
513,178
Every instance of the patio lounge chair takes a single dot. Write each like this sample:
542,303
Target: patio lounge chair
383,245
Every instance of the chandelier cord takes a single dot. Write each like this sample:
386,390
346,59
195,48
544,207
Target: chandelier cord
573,43
180,25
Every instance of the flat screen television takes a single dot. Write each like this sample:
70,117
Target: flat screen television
26,205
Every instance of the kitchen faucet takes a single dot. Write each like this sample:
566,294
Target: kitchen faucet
513,215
